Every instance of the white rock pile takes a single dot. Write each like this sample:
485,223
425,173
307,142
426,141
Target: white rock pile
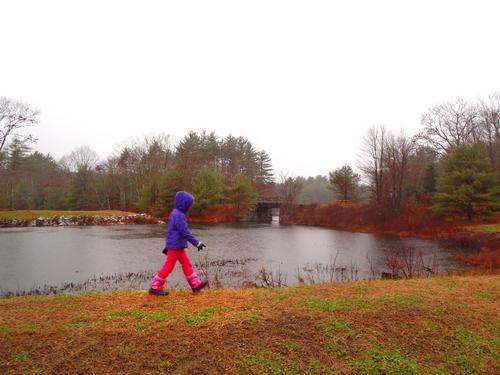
60,221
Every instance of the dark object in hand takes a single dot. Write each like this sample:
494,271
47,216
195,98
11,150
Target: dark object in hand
200,246
165,251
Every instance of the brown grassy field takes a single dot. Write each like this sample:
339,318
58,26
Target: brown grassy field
438,325
34,214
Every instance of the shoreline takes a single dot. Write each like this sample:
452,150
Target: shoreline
77,220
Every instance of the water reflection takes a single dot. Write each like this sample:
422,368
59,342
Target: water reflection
37,256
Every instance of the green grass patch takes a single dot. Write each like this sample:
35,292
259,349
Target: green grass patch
339,304
141,327
21,357
202,316
262,363
400,300
468,350
77,323
360,289
493,326
139,314
390,362
159,316
130,312
440,371
315,366
487,296
466,363
30,326
467,339
430,325
5,328
288,347
339,327
337,349
165,367
251,317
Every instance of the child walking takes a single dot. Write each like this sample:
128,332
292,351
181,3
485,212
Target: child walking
178,235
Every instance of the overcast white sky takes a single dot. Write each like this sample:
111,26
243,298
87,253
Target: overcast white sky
303,80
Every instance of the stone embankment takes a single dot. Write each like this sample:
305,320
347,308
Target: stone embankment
60,221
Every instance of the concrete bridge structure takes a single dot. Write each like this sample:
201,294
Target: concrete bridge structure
264,211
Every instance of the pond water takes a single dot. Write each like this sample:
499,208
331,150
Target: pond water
127,256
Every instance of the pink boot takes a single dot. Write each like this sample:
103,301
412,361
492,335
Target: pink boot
195,283
157,286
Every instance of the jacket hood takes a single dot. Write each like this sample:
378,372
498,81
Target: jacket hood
183,201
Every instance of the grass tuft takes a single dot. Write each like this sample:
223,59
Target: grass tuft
390,362
21,356
339,304
262,363
202,316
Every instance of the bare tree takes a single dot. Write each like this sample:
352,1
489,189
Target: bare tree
384,162
14,116
372,162
289,189
450,125
81,158
489,125
398,150
146,159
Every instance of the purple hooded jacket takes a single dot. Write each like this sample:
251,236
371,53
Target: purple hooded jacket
178,233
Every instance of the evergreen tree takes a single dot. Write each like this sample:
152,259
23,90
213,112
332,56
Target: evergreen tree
208,188
430,177
55,198
189,157
17,150
170,183
81,194
240,191
264,168
21,197
147,196
3,160
344,182
467,181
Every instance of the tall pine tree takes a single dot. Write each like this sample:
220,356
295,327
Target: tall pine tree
467,182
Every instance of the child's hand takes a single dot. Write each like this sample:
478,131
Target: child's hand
200,246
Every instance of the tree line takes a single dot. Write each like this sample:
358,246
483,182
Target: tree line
142,176
453,163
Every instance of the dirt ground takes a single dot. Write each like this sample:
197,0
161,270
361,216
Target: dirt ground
437,325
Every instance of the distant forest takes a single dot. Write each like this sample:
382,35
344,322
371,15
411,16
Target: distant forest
453,164
143,176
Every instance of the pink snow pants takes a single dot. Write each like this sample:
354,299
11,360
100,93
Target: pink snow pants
172,256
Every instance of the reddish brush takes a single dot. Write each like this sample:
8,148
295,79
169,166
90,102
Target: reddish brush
485,258
411,220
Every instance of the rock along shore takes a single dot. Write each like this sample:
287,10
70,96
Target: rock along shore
61,221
